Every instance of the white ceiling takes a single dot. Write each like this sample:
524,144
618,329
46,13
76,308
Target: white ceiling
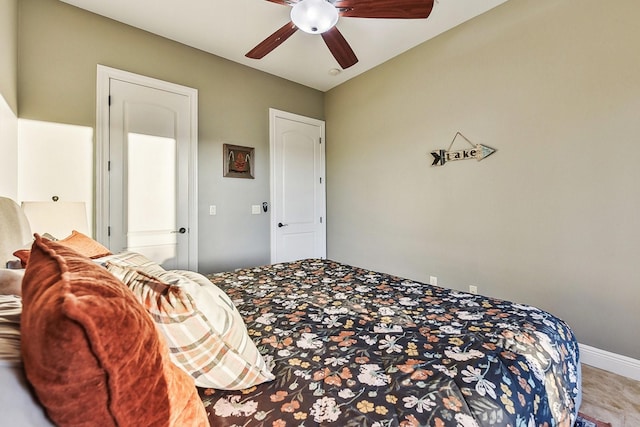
231,28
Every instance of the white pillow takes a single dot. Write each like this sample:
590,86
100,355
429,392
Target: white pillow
11,281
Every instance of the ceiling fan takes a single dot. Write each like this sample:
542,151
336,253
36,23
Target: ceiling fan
321,17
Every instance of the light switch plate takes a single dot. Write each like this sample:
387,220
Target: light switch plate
212,210
255,209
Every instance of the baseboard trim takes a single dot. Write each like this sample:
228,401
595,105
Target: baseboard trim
612,362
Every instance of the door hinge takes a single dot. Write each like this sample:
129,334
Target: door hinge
108,230
320,140
320,180
320,220
109,166
109,100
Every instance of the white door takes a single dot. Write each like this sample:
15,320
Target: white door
150,144
298,217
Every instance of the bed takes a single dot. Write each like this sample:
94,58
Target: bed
353,347
317,342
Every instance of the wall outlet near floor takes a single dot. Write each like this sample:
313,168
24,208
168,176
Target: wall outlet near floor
433,280
473,289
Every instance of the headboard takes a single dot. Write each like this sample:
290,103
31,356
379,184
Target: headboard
15,232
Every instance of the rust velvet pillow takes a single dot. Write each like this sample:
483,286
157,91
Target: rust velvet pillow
91,351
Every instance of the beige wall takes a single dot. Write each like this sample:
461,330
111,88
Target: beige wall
9,52
60,47
8,151
8,98
553,218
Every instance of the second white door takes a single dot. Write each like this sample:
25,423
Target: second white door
298,217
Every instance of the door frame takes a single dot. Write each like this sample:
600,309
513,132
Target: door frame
273,115
104,75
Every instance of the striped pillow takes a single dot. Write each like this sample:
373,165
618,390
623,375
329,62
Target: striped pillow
10,311
131,259
205,333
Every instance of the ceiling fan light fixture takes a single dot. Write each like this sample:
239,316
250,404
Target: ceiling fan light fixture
314,16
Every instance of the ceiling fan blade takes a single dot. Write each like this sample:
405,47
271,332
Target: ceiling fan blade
339,48
387,9
272,42
284,2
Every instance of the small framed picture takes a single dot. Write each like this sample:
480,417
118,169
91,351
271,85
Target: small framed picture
238,161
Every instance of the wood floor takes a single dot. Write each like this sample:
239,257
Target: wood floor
610,397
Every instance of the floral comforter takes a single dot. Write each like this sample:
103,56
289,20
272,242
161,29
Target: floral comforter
353,347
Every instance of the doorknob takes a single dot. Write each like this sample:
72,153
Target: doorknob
280,225
182,230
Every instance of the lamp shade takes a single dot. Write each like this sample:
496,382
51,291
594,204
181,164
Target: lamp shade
57,218
314,16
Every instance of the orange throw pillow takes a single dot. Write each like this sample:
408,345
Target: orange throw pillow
85,245
23,256
91,351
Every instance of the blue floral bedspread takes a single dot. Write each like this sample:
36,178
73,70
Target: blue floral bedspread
353,347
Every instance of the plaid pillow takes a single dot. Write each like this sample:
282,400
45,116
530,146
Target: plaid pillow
207,339
131,259
10,311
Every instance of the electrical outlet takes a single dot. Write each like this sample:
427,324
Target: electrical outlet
473,289
212,209
433,280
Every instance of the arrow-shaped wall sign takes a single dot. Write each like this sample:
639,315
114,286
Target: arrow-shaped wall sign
477,151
